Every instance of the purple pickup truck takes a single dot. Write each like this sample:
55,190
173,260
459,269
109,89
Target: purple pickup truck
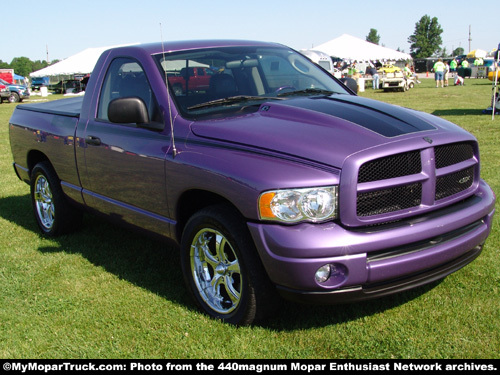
276,179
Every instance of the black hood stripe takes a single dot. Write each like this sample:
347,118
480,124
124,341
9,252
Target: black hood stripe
384,119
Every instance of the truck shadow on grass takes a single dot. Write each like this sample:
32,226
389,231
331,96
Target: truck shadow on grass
458,112
154,265
145,262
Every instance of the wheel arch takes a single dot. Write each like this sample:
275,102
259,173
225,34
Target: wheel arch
193,201
34,157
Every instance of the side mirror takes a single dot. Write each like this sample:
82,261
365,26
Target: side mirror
128,110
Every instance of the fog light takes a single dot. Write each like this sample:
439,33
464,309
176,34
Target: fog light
323,273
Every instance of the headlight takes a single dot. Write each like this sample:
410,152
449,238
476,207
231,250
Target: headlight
294,205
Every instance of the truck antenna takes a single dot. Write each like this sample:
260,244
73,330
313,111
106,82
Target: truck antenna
174,150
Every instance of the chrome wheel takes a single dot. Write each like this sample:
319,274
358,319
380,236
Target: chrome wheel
216,271
43,202
14,97
222,269
52,212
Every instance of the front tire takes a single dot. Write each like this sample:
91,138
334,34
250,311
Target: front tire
53,213
221,267
14,97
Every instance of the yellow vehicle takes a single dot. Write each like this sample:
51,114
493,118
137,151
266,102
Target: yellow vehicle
389,69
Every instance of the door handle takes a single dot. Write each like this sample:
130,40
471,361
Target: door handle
91,140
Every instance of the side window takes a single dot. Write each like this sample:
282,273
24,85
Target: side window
125,78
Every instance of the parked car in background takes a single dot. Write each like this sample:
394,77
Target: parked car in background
37,82
191,79
389,69
4,93
72,86
16,92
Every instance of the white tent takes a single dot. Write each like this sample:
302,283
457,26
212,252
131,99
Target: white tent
348,47
80,64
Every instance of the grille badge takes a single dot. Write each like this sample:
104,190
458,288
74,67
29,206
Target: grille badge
428,140
464,180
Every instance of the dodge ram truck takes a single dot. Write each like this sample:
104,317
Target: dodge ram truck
275,179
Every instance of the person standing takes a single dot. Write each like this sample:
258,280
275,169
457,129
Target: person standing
446,71
375,77
439,72
453,67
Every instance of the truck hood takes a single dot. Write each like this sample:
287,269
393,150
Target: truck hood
321,129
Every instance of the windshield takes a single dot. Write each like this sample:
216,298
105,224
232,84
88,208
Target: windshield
230,78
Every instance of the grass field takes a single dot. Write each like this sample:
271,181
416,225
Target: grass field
105,292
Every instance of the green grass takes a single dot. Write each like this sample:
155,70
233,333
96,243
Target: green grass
105,292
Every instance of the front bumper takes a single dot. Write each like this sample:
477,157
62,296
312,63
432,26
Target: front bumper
24,94
374,261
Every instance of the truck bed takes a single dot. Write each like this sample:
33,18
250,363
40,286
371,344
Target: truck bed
66,107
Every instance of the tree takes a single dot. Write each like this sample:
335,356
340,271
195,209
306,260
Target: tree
426,41
373,37
458,51
22,66
40,64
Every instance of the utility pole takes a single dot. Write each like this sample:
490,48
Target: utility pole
470,39
47,50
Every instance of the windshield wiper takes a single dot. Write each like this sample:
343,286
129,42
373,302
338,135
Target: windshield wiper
231,100
309,91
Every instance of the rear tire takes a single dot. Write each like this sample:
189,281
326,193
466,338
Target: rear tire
222,269
53,214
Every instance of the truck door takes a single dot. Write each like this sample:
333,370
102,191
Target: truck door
124,174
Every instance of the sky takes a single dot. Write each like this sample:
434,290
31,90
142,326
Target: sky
64,28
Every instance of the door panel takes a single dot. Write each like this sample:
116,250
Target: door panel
124,172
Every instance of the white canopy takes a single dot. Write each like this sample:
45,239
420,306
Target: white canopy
348,47
81,63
